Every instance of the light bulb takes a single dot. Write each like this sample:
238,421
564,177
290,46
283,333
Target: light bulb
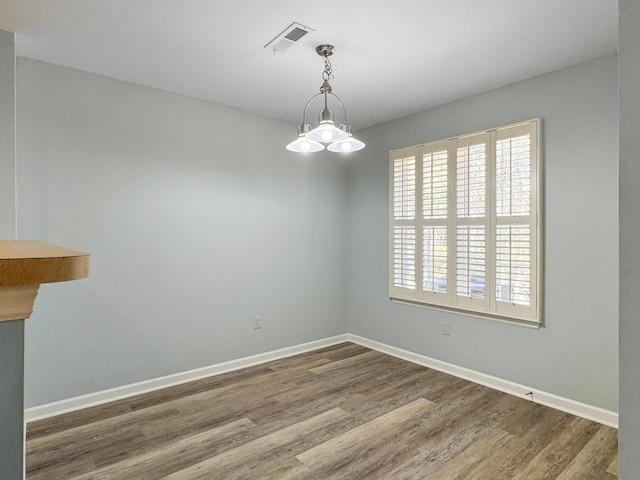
326,132
346,146
304,145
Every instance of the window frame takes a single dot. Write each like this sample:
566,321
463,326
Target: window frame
489,306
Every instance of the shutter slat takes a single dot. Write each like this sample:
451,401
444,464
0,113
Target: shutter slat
404,188
434,185
434,252
513,264
404,257
513,176
470,261
471,181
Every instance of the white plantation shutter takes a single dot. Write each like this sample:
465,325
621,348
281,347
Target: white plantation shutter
464,224
516,219
403,264
471,222
435,222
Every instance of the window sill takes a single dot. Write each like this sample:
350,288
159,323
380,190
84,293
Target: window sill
522,322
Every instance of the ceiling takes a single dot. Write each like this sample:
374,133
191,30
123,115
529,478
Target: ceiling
392,58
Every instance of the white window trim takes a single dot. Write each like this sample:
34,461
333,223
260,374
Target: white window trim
489,307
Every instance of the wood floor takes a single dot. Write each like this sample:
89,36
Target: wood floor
343,412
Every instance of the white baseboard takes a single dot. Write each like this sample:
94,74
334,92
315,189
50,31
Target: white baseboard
573,407
97,398
596,414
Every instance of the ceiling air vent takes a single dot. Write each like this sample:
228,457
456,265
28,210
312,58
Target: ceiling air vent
290,36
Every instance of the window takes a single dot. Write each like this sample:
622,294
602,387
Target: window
464,229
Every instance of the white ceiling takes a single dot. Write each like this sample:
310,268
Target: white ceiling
392,58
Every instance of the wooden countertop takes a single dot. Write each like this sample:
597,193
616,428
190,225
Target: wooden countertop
24,262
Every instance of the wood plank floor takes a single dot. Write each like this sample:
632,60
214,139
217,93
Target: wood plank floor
343,412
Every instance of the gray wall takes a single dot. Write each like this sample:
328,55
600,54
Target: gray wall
575,355
7,137
629,73
196,219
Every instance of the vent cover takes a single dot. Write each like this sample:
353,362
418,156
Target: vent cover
289,37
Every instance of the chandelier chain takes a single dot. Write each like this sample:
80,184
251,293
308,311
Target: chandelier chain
328,70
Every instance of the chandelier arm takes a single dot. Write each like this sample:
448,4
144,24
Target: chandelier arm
304,114
344,110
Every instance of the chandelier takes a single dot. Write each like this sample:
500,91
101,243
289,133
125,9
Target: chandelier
326,133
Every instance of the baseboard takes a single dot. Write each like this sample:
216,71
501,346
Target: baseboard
92,399
573,407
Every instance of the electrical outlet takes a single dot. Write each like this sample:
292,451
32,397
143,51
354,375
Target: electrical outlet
257,322
446,328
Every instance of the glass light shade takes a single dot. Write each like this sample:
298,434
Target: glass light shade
303,145
327,132
347,145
